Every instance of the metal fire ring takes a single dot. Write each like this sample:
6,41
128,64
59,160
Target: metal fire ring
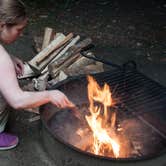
64,153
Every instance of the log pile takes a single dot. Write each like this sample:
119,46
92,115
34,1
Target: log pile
58,57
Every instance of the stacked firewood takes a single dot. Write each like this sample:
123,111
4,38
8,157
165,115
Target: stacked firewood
58,58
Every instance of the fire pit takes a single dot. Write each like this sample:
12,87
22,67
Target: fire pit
127,125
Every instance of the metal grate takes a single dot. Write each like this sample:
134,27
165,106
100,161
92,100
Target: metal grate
141,96
139,93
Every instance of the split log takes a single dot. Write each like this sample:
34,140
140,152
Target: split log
54,69
71,56
54,45
59,53
48,37
28,72
62,76
72,43
43,65
37,43
89,69
83,61
40,83
94,68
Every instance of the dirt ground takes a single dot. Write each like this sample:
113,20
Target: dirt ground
121,31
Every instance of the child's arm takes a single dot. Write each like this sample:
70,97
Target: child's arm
17,98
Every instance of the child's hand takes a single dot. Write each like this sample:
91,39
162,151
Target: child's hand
19,66
59,99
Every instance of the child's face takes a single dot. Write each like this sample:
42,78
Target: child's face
9,34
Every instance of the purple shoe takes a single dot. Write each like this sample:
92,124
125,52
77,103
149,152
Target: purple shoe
8,141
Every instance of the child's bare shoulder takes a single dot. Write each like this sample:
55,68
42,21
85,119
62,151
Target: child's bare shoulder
2,48
4,56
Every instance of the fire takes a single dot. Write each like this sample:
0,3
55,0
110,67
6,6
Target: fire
100,99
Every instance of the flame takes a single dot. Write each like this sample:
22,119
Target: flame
100,99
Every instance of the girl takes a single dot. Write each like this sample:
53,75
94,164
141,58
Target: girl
13,19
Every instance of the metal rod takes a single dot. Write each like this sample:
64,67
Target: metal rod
152,127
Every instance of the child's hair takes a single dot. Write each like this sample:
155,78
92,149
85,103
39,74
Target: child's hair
12,12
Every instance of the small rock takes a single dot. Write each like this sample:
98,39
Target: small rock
43,16
114,21
131,27
138,44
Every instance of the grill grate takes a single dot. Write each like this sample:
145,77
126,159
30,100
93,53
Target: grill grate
141,96
135,90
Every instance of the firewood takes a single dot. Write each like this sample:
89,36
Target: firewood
37,43
43,65
57,54
89,69
81,62
60,44
72,43
40,83
54,45
52,82
71,56
94,68
55,68
28,72
62,76
48,37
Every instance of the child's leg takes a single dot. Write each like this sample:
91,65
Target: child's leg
3,119
4,113
7,140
